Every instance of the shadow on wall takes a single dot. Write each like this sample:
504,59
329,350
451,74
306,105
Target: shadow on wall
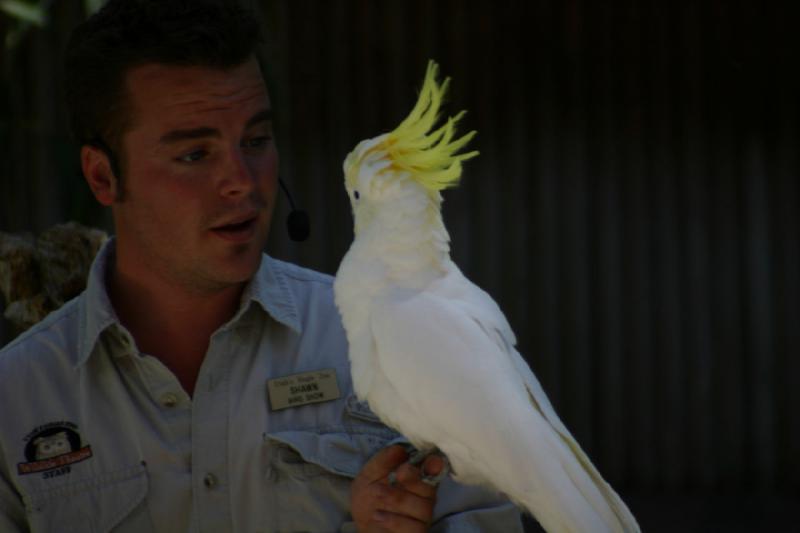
703,513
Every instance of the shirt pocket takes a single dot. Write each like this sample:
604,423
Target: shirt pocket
311,473
98,504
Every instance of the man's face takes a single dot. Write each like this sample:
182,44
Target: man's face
199,173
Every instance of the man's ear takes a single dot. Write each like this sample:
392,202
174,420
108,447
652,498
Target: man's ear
97,171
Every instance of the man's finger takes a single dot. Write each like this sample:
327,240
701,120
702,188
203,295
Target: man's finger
409,477
383,462
389,521
400,500
432,465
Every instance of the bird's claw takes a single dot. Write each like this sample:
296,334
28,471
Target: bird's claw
417,457
434,481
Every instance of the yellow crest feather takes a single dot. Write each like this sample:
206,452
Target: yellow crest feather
429,156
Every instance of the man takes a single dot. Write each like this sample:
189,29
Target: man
196,385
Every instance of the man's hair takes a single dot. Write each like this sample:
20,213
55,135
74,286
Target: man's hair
125,34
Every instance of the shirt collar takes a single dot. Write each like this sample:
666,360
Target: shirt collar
269,288
97,314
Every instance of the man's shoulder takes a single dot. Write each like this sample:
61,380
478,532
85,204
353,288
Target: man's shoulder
53,341
302,295
300,274
301,283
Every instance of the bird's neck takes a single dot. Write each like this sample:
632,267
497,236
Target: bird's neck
410,243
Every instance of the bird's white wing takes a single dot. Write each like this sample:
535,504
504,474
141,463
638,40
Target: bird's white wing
443,378
484,310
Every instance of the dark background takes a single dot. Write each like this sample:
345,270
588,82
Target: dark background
634,209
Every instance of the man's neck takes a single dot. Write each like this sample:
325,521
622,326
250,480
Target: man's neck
170,321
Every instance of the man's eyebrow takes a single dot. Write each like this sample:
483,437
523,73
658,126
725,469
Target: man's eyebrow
183,135
262,116
200,133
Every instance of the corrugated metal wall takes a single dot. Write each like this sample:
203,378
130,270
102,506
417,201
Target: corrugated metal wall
634,209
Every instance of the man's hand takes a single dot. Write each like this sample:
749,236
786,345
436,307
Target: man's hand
406,506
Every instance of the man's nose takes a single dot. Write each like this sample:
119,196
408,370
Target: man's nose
238,176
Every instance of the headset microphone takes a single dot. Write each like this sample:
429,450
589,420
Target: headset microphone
297,222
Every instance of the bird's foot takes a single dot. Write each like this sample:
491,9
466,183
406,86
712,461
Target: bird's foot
417,458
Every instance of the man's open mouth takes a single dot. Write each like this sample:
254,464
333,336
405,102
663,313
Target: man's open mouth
238,226
237,231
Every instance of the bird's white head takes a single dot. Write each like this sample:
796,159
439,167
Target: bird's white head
413,159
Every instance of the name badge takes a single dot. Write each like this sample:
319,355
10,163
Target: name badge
303,389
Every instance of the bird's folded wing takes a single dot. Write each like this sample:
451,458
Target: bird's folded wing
453,344
483,309
448,374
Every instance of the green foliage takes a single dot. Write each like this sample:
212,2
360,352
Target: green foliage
92,5
23,15
26,13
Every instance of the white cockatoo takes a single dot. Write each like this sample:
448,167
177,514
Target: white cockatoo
432,354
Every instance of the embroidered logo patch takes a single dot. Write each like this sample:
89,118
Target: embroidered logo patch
52,448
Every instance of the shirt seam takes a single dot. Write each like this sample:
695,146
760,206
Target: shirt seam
312,279
299,273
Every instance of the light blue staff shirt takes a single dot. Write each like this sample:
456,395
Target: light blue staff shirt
97,436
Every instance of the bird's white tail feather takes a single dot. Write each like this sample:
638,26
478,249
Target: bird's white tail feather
557,485
605,498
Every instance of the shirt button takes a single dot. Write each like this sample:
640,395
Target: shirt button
169,400
210,481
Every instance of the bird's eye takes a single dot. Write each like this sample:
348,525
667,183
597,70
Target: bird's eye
356,195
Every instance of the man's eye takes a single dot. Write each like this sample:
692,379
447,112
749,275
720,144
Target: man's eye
193,157
256,142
